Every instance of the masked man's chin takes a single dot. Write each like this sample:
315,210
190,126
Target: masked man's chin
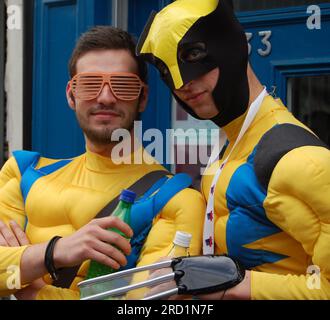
206,115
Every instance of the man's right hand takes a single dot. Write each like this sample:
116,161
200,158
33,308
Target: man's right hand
94,242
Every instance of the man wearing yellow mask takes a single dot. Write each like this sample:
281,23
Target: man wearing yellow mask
268,191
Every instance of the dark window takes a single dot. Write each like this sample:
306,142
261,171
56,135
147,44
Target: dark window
309,100
248,5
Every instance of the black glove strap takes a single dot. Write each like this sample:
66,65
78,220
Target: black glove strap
49,261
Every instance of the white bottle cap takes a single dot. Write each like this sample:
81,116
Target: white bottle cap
182,239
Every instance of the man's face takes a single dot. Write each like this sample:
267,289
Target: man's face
197,94
99,117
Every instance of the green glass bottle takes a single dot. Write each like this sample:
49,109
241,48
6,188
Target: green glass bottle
123,212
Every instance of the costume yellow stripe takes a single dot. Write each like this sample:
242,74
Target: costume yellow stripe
167,30
271,243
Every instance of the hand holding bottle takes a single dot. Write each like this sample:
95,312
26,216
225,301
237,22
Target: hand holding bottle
123,212
94,241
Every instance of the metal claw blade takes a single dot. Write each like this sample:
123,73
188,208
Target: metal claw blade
125,273
120,291
162,295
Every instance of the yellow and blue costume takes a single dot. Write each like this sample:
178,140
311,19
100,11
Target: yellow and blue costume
273,197
277,224
59,197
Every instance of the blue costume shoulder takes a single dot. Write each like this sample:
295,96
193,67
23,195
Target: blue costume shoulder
27,161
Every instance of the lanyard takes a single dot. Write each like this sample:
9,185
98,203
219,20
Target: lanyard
208,234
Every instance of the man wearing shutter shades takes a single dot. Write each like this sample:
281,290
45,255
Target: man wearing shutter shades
268,190
48,207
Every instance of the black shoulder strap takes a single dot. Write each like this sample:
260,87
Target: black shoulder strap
67,275
276,143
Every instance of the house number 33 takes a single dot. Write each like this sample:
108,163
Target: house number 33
266,49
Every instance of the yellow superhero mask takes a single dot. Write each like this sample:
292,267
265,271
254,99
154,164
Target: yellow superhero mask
189,38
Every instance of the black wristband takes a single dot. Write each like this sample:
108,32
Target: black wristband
49,261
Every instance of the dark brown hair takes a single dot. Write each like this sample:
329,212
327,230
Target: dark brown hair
106,37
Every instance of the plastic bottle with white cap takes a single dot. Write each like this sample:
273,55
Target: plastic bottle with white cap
181,244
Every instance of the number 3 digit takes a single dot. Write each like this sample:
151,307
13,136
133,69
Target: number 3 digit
265,41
